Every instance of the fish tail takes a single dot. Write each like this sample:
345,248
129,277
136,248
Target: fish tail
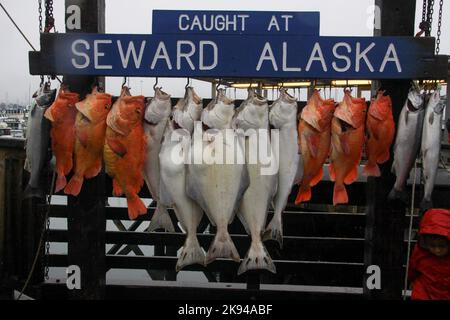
60,182
274,230
135,207
304,194
257,258
426,204
192,253
161,219
398,195
222,247
74,185
339,194
371,170
31,192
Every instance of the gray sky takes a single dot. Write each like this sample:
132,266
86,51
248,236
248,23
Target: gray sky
338,18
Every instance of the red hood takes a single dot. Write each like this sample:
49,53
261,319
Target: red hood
436,221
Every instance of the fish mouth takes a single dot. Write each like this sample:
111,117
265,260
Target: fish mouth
161,95
345,126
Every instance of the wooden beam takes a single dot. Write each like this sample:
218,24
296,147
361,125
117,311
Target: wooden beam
385,221
86,214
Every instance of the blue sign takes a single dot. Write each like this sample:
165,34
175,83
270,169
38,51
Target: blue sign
230,56
235,22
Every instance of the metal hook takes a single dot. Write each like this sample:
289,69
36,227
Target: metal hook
124,81
187,84
156,83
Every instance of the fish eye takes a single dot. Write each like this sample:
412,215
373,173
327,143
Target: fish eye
138,111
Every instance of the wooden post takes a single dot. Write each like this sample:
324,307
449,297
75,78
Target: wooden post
384,236
86,213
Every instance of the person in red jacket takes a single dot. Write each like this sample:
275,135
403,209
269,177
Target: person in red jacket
429,267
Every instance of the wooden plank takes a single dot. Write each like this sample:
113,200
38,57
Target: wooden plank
292,272
54,290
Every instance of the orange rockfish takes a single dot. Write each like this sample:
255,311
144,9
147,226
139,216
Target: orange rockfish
314,137
124,150
347,139
62,114
90,128
381,129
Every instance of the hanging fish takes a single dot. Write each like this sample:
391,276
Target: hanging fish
407,141
218,187
37,140
347,139
173,177
124,150
283,117
156,117
314,130
252,117
90,129
62,113
381,130
431,145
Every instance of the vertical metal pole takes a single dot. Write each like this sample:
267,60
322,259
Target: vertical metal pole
384,235
86,213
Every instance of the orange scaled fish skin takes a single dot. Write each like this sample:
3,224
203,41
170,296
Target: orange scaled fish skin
347,139
90,129
381,129
62,114
314,135
124,150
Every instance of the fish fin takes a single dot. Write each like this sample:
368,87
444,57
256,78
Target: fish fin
135,207
118,147
316,178
222,247
48,114
313,143
431,118
426,204
398,195
74,185
371,170
93,171
304,194
352,175
192,253
60,182
161,219
332,172
31,192
82,137
339,194
257,258
274,231
382,158
117,189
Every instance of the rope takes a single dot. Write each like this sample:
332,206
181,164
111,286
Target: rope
17,27
23,35
41,239
410,229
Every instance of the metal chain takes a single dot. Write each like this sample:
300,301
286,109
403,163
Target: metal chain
40,15
424,10
430,16
49,20
438,40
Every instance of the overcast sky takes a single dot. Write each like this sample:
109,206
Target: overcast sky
338,18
